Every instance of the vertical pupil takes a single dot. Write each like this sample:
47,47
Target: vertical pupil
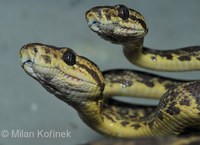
123,12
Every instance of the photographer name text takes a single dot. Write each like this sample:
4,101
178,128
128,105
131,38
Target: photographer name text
19,133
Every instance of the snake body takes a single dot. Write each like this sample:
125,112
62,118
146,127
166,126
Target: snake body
125,82
78,81
150,141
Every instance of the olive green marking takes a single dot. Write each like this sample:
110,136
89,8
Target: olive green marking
136,126
169,85
185,102
109,117
46,58
184,58
124,123
55,55
47,50
159,115
151,123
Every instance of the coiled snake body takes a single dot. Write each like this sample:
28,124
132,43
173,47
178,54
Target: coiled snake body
78,81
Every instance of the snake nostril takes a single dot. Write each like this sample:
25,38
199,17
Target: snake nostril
35,50
28,61
94,22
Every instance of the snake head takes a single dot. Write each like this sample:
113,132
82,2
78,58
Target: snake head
116,23
62,72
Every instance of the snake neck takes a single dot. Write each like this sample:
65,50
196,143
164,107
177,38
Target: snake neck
134,44
182,59
133,50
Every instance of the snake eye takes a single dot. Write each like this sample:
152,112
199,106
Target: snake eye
69,57
123,12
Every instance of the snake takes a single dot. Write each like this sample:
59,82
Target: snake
79,82
186,140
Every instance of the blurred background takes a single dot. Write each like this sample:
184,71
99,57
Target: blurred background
25,105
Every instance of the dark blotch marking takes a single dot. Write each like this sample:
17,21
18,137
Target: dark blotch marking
172,109
165,100
108,17
140,21
153,58
47,51
165,54
99,13
160,115
150,123
171,99
55,55
46,58
89,61
136,126
124,123
148,83
198,103
57,67
109,117
170,85
184,58
190,130
93,74
145,78
194,89
143,24
185,102
168,56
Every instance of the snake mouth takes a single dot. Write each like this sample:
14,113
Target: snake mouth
93,24
27,66
27,62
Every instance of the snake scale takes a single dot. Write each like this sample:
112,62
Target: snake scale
79,82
